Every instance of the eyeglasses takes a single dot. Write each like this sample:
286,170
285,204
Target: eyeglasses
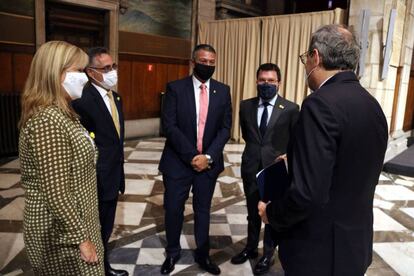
106,69
262,81
303,57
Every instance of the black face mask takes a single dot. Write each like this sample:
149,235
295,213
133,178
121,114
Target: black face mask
266,91
203,72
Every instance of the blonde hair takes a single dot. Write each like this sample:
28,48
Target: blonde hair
43,86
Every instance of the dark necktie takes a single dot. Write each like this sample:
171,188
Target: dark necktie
263,120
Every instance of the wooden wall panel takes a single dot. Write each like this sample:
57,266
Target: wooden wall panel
14,70
6,69
141,81
124,82
183,71
21,67
409,106
154,45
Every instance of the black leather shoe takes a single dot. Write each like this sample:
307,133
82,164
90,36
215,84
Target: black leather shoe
263,265
243,256
169,265
207,265
116,272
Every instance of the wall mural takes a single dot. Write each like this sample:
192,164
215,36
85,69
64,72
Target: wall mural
158,17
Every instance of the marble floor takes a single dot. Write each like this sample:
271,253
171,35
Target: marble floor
139,238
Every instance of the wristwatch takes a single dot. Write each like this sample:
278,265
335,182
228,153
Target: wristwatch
209,159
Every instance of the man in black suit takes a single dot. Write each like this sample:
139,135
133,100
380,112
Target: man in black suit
100,110
338,148
266,122
196,117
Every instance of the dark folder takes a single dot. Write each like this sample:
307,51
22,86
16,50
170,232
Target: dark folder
273,181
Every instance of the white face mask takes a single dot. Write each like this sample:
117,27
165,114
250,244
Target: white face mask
110,79
74,83
307,77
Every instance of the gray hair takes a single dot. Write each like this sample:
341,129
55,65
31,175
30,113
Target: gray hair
337,47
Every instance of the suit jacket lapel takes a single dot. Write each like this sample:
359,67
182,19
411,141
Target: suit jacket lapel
253,118
104,110
277,110
191,105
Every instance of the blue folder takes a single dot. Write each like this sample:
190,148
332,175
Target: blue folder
273,181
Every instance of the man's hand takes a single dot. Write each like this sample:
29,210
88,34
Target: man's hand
280,157
199,163
88,252
262,211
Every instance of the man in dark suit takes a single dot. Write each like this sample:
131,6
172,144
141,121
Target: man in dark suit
196,117
266,122
100,110
338,148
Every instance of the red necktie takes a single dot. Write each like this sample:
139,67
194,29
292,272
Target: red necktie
202,116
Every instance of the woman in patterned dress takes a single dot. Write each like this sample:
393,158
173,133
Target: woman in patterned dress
61,221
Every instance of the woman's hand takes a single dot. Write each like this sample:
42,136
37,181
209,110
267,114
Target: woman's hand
88,252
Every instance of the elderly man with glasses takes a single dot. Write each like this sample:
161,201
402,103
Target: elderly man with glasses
100,110
335,158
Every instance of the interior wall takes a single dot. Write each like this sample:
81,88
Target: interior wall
385,90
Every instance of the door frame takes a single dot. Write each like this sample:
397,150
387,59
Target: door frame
112,6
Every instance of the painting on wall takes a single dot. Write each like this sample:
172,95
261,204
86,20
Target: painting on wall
22,7
158,17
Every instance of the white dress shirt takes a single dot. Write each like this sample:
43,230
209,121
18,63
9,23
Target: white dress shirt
260,109
197,91
105,97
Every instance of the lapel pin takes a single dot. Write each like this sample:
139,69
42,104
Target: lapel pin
118,98
281,106
214,91
92,135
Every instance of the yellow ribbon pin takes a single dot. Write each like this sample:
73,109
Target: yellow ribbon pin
92,135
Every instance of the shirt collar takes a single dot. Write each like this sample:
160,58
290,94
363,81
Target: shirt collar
197,83
325,81
271,102
101,91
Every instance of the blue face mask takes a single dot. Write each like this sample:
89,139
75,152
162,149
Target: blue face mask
266,91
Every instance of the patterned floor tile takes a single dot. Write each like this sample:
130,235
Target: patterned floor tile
11,245
236,171
234,147
124,255
15,164
394,192
234,158
141,168
8,180
145,155
13,210
129,213
12,193
139,236
399,255
151,256
227,179
138,186
383,222
408,211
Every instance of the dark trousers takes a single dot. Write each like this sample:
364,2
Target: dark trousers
254,224
107,211
176,193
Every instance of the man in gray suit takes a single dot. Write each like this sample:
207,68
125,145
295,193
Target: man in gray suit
266,122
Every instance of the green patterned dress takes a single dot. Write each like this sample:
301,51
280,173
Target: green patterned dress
61,207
